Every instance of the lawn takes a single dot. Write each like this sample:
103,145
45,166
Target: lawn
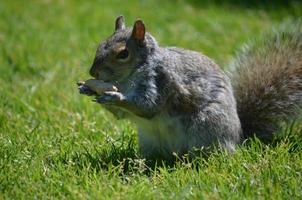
55,143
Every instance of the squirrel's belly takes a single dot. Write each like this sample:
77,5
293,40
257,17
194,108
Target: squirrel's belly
162,135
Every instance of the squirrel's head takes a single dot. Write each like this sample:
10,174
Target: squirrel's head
123,52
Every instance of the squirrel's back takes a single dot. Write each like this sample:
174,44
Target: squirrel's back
267,80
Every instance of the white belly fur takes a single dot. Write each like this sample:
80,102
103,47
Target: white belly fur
160,135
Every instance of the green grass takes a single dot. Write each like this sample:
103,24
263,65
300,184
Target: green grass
55,143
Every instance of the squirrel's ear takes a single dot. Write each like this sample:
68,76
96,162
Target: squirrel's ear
119,23
138,32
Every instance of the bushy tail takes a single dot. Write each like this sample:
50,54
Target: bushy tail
267,80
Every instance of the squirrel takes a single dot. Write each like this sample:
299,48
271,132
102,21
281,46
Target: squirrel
181,100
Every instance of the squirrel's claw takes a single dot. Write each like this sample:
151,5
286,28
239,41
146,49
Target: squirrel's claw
85,90
110,98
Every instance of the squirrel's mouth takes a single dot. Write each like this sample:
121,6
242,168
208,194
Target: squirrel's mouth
103,72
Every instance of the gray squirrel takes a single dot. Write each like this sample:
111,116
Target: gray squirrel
181,100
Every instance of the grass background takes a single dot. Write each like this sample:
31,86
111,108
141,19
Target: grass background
55,143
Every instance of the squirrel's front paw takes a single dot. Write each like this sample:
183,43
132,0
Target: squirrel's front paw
110,97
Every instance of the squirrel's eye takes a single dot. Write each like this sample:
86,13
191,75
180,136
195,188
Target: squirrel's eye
122,55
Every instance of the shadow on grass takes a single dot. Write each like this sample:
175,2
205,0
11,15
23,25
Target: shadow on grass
120,157
123,159
290,135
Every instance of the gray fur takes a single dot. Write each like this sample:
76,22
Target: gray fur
179,99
